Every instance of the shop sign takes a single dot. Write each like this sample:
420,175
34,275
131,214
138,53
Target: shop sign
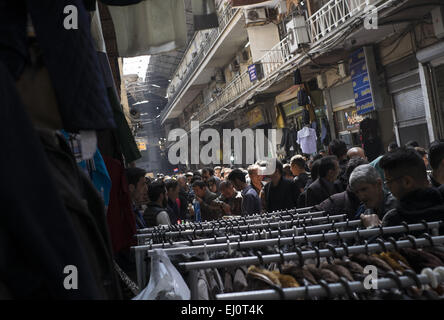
292,108
361,83
353,119
141,144
255,117
252,71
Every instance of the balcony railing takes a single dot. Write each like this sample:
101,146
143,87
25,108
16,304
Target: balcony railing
326,20
335,13
224,19
271,62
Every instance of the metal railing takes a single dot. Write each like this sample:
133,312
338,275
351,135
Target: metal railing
224,19
333,14
323,23
271,62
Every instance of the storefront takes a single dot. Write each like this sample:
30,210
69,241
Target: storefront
290,116
346,119
431,73
404,85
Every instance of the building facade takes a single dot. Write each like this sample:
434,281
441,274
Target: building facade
372,70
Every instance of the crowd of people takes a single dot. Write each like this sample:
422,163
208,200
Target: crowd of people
405,184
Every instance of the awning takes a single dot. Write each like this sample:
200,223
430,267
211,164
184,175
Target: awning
289,94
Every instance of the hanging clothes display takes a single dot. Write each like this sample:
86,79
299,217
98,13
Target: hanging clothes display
246,261
307,140
85,208
120,216
149,27
35,218
325,132
82,100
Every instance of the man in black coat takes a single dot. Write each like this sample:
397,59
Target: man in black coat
338,148
345,202
324,186
406,177
280,193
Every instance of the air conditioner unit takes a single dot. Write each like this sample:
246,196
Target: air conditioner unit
297,33
255,17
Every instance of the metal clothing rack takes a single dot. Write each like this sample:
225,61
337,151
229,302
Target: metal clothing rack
246,217
163,236
140,251
302,255
256,235
235,222
344,288
296,240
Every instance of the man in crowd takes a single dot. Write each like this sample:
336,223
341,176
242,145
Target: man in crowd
356,152
406,177
324,186
251,203
338,148
298,164
393,147
210,210
156,212
287,172
173,188
366,183
217,172
207,173
280,193
138,190
189,176
185,197
255,178
436,160
345,202
230,199
212,185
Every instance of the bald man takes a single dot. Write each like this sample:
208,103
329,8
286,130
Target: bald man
356,153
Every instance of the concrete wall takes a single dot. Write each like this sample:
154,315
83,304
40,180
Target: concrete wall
262,39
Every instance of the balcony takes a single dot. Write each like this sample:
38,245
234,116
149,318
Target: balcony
224,20
324,25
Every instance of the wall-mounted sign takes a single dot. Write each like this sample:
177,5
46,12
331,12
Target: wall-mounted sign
361,83
255,117
255,72
141,146
353,119
252,71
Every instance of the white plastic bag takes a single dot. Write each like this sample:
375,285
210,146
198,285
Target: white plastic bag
165,283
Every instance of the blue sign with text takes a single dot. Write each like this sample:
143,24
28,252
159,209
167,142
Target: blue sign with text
361,83
252,72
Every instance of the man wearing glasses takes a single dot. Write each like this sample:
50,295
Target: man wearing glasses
406,178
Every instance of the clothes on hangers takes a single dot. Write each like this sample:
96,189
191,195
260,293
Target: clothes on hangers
81,98
307,138
33,260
